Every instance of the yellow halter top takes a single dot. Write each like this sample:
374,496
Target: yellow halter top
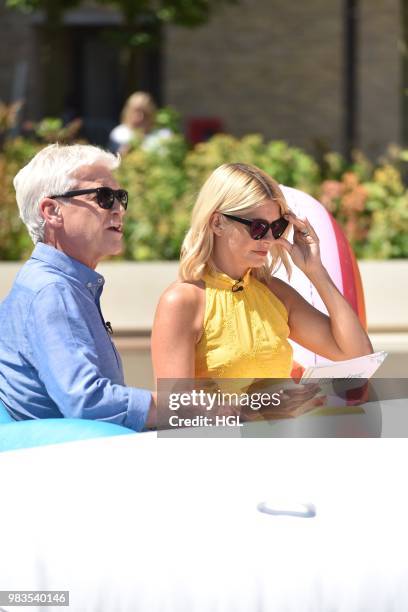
245,332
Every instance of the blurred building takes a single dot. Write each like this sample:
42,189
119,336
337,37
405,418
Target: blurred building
90,78
269,66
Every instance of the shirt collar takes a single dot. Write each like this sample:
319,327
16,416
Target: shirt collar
68,265
220,280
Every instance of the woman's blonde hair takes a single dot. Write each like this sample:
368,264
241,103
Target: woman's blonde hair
231,188
143,101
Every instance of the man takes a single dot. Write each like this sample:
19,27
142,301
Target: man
56,355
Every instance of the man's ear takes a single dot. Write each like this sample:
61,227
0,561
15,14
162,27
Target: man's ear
50,211
216,223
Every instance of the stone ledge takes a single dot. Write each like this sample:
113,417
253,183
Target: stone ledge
133,290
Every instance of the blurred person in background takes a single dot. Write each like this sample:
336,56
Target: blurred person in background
137,122
57,358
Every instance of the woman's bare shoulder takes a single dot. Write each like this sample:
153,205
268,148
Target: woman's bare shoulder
183,302
181,310
183,293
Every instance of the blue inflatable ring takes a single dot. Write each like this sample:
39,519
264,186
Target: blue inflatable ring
34,432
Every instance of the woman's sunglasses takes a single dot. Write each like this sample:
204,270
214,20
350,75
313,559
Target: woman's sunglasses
105,196
258,228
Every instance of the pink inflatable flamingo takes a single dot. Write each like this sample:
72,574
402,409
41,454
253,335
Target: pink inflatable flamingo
338,259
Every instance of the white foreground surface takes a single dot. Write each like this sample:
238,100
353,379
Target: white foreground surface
143,524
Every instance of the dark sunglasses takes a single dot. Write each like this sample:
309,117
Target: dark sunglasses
105,196
258,228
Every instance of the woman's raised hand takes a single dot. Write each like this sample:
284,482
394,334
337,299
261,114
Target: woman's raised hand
305,250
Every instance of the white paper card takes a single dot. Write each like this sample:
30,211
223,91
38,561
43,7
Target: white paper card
360,367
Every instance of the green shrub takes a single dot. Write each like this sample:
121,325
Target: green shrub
158,213
15,242
372,212
370,202
164,184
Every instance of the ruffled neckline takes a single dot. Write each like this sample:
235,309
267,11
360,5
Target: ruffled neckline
220,280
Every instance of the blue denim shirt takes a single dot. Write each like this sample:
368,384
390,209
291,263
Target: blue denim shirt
56,357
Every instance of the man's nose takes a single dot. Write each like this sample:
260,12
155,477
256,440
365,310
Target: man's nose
118,207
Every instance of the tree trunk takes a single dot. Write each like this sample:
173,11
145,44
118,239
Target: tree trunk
53,58
130,60
350,76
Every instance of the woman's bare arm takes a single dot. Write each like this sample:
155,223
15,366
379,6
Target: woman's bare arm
176,330
337,336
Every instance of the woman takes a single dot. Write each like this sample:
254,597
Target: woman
228,316
137,119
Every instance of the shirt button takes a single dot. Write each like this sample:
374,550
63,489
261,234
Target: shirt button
100,281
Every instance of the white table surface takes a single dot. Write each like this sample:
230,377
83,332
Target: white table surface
148,524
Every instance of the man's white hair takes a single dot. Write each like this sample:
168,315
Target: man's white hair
51,172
